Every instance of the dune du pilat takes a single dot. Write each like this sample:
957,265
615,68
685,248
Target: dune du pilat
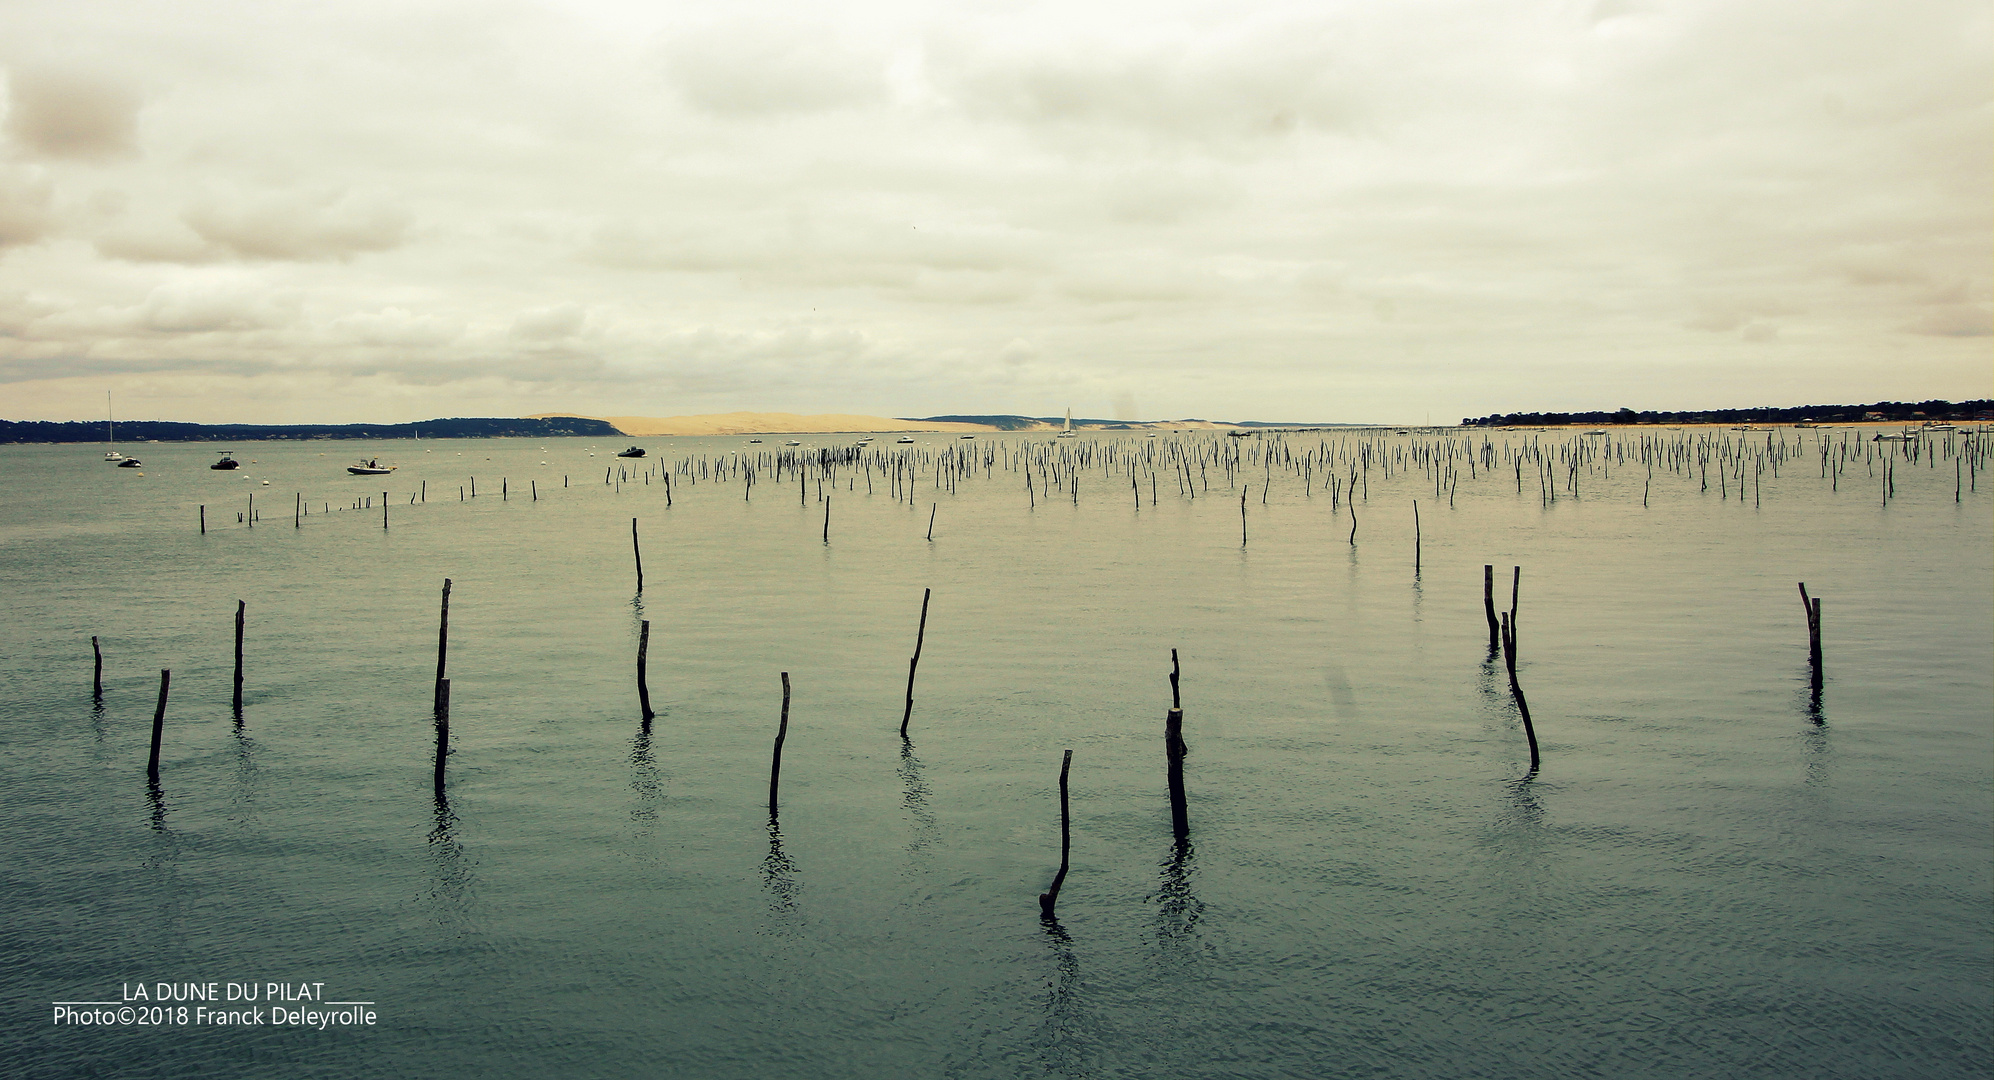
1150,751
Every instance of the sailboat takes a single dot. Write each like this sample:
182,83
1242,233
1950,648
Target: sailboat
1067,432
110,432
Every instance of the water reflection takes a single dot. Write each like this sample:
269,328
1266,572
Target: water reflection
914,798
450,887
1817,748
1060,1045
1178,908
645,779
779,875
248,776
157,799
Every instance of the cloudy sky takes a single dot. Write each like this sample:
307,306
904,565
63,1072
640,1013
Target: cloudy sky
1365,210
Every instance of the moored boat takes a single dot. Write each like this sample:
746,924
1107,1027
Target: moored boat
371,467
635,451
226,463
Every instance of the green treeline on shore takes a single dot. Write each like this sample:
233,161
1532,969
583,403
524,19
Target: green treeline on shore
1905,412
46,431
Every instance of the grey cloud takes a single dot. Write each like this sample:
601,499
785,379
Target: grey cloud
25,197
209,308
1955,320
300,227
753,67
1225,92
72,114
549,323
396,327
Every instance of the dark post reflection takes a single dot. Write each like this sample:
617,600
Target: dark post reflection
779,874
1178,908
914,797
644,777
1059,1046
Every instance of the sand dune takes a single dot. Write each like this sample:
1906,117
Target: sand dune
769,423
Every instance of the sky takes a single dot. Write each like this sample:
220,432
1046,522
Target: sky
1391,211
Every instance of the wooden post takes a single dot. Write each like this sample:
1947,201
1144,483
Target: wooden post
781,733
1812,608
1173,753
1488,607
827,519
639,553
443,653
158,725
298,511
240,610
442,729
534,487
1049,898
1242,519
204,519
643,651
1516,689
1353,524
384,511
1415,538
97,680
920,636
931,520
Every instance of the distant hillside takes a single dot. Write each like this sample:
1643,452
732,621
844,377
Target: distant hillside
43,431
1889,411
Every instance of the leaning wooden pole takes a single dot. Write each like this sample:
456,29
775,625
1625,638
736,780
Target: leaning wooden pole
442,730
639,553
643,652
781,733
1516,689
97,680
158,725
443,653
920,638
1050,898
1488,607
1173,754
241,608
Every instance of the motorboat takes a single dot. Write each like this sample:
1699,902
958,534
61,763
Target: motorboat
754,440
226,464
965,436
131,463
370,467
793,442
904,439
635,451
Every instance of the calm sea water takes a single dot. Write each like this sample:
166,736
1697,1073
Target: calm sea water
1708,876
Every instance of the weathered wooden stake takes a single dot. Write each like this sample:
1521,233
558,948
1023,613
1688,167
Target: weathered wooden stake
1813,609
639,553
827,519
204,519
1488,607
643,651
1049,898
931,519
443,653
442,729
781,733
1242,519
241,608
920,636
1516,689
1173,753
384,511
97,680
158,725
1415,538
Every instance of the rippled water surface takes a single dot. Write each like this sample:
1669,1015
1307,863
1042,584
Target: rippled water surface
1709,876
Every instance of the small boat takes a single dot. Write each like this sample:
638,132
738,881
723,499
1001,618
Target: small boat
131,463
226,464
905,439
965,436
1905,437
371,467
1067,431
110,432
635,451
754,440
